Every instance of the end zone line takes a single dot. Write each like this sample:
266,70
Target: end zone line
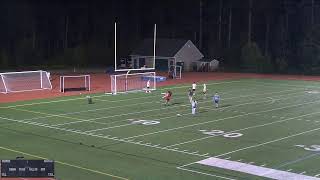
64,163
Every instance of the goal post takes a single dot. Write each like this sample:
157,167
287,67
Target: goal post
75,83
122,83
24,81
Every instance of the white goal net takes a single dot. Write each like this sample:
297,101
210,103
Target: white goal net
24,81
75,83
175,71
122,83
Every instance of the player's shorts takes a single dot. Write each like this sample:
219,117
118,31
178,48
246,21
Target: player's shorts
193,89
216,101
167,98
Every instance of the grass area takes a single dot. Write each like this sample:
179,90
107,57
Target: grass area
136,136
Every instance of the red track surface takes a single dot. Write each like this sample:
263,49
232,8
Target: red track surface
101,83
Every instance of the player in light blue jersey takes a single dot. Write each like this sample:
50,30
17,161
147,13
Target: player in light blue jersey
216,99
194,105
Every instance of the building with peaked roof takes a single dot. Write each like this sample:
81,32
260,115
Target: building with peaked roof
168,52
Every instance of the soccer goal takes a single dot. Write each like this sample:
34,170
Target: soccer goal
24,81
175,71
75,83
122,83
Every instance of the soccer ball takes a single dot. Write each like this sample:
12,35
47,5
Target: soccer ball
178,114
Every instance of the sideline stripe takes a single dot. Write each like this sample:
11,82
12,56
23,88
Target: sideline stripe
207,174
253,169
113,107
103,95
158,147
64,163
52,115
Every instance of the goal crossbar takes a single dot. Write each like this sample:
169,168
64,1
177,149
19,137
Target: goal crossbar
24,81
79,82
122,83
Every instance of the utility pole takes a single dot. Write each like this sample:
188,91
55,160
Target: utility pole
312,12
249,21
220,22
230,27
66,33
200,25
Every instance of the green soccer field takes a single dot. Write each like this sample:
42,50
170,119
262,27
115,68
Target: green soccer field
269,128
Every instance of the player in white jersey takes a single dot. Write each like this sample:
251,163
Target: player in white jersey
194,86
148,87
204,91
194,105
216,99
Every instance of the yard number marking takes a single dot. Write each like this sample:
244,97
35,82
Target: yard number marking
221,133
145,122
315,148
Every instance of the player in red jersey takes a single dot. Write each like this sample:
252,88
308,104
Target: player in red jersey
167,97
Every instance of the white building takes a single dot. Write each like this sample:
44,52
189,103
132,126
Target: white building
168,52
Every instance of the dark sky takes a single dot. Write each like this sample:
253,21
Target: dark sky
49,27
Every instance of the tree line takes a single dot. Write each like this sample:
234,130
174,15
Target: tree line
280,36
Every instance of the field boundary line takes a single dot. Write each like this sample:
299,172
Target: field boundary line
150,145
231,117
239,130
202,107
157,109
103,95
207,174
112,107
291,85
52,115
64,163
268,142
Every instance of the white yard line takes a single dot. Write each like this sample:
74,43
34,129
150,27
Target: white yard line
268,142
112,127
221,119
254,169
103,136
207,174
290,85
78,98
204,107
239,130
158,147
157,109
113,107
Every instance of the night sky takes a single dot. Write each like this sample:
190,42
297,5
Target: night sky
59,32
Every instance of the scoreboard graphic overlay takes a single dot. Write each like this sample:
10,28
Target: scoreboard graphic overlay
27,168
